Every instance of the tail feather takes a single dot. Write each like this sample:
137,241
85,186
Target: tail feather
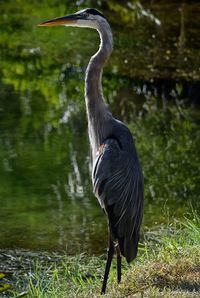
128,245
131,247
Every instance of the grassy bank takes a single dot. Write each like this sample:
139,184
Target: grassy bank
168,265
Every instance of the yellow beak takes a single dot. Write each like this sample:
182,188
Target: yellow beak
67,20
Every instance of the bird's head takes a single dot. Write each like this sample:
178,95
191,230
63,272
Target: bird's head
89,18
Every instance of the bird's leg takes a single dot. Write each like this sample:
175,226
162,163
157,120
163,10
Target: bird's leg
108,263
119,272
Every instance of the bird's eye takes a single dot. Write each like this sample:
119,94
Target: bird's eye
86,14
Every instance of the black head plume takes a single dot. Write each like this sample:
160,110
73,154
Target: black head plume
94,12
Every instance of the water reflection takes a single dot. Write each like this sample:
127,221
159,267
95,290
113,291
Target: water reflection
45,191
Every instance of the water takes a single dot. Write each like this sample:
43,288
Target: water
151,82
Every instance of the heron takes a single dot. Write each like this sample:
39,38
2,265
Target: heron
116,172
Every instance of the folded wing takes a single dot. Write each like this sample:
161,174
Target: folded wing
118,185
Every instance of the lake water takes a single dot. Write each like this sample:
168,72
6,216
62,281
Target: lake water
151,82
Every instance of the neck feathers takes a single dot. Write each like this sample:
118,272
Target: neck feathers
98,114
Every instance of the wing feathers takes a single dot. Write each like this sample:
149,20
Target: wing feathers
118,185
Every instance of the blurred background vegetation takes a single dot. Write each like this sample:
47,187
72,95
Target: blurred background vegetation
152,82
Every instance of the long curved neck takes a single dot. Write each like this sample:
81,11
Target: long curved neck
97,112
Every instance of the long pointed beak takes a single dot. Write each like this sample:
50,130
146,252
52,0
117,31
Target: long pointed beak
67,20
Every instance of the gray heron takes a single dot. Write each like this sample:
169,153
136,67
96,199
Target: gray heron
117,176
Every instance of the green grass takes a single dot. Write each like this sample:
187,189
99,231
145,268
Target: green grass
168,265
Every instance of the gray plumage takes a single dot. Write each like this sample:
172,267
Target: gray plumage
118,185
117,177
